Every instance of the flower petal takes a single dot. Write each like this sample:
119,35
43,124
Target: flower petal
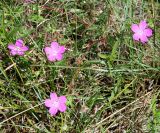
19,43
148,32
54,45
51,58
62,107
53,111
13,52
136,37
49,54
24,48
143,25
47,50
135,28
59,57
11,46
53,96
20,53
144,39
61,49
62,99
48,103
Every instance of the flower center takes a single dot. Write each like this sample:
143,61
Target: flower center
140,32
55,104
55,53
17,48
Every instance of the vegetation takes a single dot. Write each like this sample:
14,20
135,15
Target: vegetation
112,83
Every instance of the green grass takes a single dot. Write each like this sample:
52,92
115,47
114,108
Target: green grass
112,83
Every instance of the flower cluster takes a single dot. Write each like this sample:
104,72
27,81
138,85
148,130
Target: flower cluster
55,52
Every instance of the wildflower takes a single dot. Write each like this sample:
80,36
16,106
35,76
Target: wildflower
18,48
54,52
141,31
56,104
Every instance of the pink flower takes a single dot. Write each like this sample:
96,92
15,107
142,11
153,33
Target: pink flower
54,52
56,104
18,48
141,31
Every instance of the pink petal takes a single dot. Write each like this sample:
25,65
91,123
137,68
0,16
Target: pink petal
11,46
134,27
62,99
20,52
62,107
148,32
48,103
136,37
53,96
19,43
51,58
59,57
13,52
53,111
24,48
144,39
61,49
47,50
143,25
54,45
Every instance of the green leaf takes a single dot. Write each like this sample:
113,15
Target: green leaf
103,56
